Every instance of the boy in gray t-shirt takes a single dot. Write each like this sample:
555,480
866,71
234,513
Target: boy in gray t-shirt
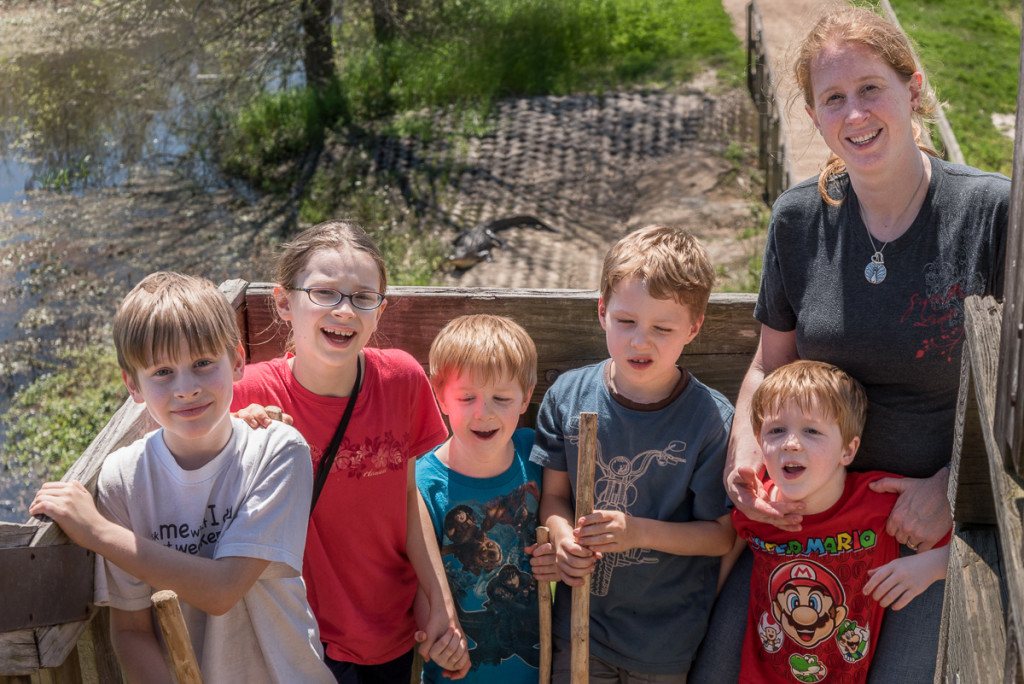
203,506
660,517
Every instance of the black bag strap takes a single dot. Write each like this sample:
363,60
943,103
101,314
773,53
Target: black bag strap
332,449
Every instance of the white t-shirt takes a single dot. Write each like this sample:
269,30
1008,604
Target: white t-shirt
251,500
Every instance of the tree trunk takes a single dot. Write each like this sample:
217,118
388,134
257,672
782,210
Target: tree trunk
318,53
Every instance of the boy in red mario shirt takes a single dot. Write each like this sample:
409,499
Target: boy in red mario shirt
818,595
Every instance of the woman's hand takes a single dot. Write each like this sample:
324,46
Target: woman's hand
746,490
745,462
921,516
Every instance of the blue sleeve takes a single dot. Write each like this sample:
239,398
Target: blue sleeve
710,500
432,485
549,437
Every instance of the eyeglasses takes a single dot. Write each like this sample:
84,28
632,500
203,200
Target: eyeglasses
366,300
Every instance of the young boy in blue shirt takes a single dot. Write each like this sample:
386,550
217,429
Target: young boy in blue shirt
660,517
483,493
203,506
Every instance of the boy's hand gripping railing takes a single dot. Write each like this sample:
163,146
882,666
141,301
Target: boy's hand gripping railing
580,625
179,645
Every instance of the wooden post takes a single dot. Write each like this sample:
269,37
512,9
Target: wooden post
179,646
544,606
584,506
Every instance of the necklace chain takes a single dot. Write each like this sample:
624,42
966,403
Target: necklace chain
875,271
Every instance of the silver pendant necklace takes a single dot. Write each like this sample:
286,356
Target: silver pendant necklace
875,271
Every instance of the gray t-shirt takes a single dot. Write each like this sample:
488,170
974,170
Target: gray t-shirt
902,338
648,609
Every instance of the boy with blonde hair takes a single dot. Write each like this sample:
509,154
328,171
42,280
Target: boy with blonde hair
483,493
817,596
660,517
204,505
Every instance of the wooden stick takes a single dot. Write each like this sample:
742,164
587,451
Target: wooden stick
580,625
179,646
544,604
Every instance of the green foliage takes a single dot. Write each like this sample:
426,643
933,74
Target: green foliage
483,50
970,52
461,55
51,421
260,142
472,53
382,203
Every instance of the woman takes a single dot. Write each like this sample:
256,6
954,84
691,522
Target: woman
866,267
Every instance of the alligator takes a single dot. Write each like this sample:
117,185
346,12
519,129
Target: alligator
475,244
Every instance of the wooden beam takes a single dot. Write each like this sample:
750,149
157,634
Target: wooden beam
1009,416
982,327
973,613
562,323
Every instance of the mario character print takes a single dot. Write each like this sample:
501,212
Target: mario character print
807,601
852,640
806,667
770,633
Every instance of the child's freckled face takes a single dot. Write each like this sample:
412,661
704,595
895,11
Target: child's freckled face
482,415
805,455
645,337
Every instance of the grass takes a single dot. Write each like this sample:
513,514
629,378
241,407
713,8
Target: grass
970,52
459,57
52,420
485,50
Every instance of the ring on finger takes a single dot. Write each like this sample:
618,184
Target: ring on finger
912,547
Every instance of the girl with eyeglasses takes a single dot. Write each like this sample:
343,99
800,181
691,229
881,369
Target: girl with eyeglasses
370,541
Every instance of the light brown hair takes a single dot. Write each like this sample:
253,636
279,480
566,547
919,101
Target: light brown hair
670,263
334,235
166,308
837,395
864,27
485,345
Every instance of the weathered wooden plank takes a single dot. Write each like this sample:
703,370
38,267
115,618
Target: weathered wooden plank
1009,417
45,585
234,290
58,641
562,323
18,653
970,486
983,320
973,615
99,662
15,534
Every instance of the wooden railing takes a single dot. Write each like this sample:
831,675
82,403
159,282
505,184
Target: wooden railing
982,633
50,631
771,139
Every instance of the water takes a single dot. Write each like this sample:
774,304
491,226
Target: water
85,124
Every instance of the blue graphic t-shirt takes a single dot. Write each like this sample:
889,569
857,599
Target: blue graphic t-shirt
482,528
648,609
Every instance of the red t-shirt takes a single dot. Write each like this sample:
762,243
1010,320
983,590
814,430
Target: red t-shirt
808,620
359,580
